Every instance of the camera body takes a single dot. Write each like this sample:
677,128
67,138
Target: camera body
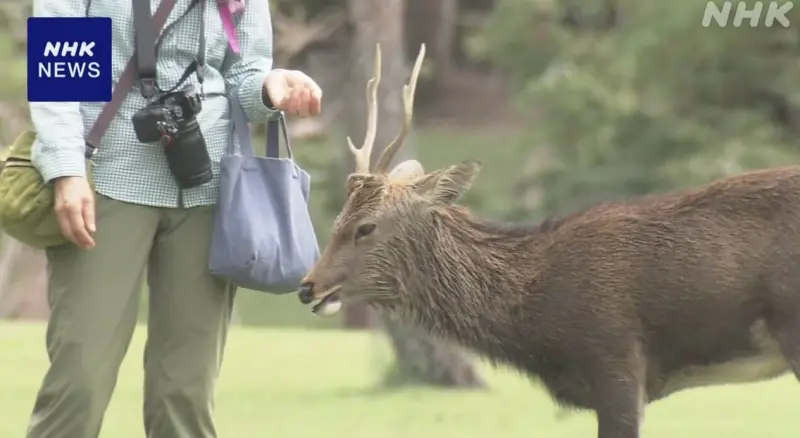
171,121
167,115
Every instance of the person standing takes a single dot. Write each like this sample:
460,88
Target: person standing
136,216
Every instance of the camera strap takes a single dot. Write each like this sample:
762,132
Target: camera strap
197,66
126,79
147,45
201,51
144,37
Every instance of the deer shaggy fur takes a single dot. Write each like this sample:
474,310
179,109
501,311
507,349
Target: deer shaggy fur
611,308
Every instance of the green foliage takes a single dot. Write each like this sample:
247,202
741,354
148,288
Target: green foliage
650,103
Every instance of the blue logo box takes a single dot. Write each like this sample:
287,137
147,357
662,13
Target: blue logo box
69,59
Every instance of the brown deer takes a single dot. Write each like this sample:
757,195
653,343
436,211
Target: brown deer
612,308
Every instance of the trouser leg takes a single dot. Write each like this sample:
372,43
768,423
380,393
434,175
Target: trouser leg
94,299
190,313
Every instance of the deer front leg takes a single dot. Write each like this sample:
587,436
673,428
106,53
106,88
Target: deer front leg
619,394
619,407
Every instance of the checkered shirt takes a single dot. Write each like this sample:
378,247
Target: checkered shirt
126,169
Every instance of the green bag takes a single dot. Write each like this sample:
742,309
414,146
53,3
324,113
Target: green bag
26,202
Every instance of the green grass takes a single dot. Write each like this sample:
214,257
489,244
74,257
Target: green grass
305,383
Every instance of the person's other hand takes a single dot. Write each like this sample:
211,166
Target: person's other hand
74,206
294,92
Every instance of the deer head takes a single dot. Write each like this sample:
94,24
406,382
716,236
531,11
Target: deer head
384,209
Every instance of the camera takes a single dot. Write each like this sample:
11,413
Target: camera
171,121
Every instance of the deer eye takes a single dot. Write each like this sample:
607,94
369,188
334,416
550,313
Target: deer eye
364,230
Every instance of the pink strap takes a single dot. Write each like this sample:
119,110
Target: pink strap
230,30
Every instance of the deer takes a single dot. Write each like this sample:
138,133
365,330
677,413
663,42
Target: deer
612,307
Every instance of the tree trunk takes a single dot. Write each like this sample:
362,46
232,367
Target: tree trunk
420,359
423,360
23,281
434,23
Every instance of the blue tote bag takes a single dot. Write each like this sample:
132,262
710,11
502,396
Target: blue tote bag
263,238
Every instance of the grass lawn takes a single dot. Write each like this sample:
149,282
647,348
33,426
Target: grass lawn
296,383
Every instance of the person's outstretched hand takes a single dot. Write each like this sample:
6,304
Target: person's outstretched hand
293,92
74,206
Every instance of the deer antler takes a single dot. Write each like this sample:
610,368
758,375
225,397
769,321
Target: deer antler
362,155
384,161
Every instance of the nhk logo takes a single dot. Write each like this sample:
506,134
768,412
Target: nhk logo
69,59
68,69
756,14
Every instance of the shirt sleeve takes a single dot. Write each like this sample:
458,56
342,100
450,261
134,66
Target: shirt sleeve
245,73
59,147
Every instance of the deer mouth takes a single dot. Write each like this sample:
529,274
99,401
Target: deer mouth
330,303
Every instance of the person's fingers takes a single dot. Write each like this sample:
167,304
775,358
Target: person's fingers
277,89
316,92
74,209
84,235
285,104
278,97
294,102
88,214
84,239
62,215
78,226
314,96
304,99
72,218
315,102
295,93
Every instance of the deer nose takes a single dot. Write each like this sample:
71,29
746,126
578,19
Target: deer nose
306,292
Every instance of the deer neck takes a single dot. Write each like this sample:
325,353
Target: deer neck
467,274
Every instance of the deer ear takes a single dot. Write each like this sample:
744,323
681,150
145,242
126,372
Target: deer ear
446,186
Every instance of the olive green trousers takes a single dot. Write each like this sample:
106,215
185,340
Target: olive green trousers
94,297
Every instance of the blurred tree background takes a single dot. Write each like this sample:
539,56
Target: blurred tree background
636,97
566,102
